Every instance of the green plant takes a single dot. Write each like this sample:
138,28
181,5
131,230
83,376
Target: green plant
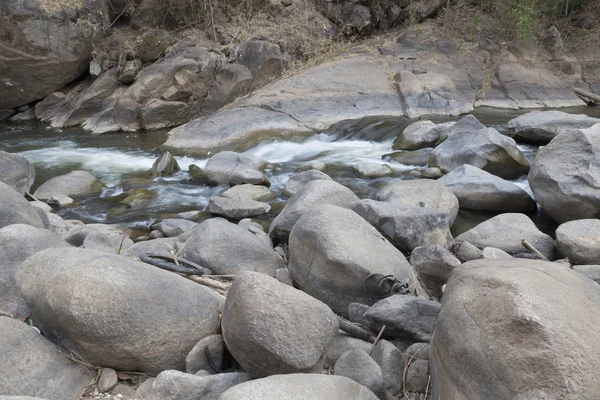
517,19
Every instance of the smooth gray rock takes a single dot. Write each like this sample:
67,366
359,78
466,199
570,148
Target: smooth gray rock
506,232
176,385
540,127
196,359
41,205
221,166
433,265
297,181
492,252
526,306
405,317
333,251
392,362
108,380
172,227
17,243
250,176
229,249
579,241
249,192
16,172
419,351
115,320
27,356
371,169
160,247
14,209
420,193
468,123
76,183
272,328
342,343
406,228
418,135
361,368
417,376
466,251
300,387
486,149
236,208
61,226
313,194
591,271
107,241
477,189
165,165
563,177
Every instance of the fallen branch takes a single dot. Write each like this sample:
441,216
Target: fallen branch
532,248
377,339
208,282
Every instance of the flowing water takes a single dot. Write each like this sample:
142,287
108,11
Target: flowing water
116,158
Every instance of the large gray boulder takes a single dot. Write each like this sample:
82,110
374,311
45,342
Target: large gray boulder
14,209
507,232
407,227
540,127
501,333
300,387
563,177
73,184
58,35
579,241
271,328
221,166
420,193
165,165
228,249
17,243
333,251
104,307
176,385
477,189
311,195
418,135
16,172
32,366
486,149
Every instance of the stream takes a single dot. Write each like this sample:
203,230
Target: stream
116,158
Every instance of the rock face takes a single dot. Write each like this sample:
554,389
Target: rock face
421,193
333,251
540,127
16,172
579,241
476,189
227,249
300,387
17,243
311,195
526,306
506,232
104,307
14,209
44,46
271,328
20,345
563,177
76,183
486,149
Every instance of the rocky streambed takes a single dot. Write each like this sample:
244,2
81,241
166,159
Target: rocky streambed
453,258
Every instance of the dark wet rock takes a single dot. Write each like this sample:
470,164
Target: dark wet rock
540,127
14,209
16,172
76,183
579,241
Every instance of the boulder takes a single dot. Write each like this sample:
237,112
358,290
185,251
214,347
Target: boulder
160,114
466,251
14,209
175,385
405,317
540,127
76,183
160,247
486,149
61,226
16,172
108,380
433,265
312,194
591,271
361,368
418,135
340,344
579,241
221,166
77,235
477,189
107,241
392,363
229,249
272,328
197,360
527,307
468,123
249,192
236,208
59,36
417,376
332,253
420,193
506,232
250,176
172,227
419,351
371,169
153,44
27,356
232,81
165,165
563,177
17,243
406,227
297,181
104,308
